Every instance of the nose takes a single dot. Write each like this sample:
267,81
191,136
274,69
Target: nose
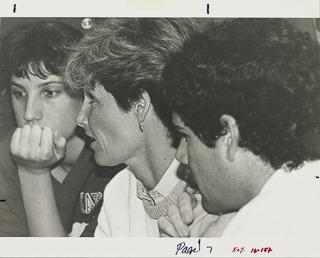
33,110
82,117
182,151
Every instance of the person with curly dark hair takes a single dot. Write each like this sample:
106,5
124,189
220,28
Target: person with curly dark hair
245,96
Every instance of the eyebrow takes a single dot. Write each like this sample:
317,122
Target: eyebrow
39,85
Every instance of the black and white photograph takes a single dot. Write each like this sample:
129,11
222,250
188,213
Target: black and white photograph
202,130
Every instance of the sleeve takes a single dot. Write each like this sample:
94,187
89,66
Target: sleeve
13,221
10,223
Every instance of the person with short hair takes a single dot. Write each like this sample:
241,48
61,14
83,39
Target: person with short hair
119,67
245,99
49,159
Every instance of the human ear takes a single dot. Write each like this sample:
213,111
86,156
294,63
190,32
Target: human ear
142,106
231,138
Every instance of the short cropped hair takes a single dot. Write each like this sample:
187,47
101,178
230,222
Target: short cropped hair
262,72
127,55
39,48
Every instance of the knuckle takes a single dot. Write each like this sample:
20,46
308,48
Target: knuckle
45,155
24,153
13,147
32,156
14,151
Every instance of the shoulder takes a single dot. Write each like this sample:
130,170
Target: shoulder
122,181
286,208
12,216
8,170
5,140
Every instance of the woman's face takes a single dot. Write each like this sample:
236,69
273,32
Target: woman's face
44,102
115,134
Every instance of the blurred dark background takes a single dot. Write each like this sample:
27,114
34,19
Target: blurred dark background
83,24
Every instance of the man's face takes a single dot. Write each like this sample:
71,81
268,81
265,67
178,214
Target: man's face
44,102
214,175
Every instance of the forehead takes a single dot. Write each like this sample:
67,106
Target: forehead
34,81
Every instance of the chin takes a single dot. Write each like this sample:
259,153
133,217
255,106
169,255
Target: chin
211,208
103,161
208,208
217,209
98,159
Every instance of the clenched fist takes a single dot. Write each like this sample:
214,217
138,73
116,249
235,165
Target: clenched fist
37,148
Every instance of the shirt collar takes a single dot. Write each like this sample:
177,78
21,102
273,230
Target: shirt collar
168,181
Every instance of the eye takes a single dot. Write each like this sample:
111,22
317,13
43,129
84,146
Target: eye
90,98
51,93
91,101
18,94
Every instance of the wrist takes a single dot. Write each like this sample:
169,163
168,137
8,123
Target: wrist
33,171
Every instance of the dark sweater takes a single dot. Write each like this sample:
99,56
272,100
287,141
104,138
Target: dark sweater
85,178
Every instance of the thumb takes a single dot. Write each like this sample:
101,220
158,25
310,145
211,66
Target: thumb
59,145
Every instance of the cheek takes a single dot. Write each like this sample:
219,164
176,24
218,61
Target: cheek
98,124
18,109
69,110
74,105
64,118
65,126
195,160
16,105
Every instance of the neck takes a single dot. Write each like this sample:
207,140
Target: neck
260,173
155,156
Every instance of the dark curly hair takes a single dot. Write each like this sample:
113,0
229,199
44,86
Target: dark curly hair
264,73
39,48
127,55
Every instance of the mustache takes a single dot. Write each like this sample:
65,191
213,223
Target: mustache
184,173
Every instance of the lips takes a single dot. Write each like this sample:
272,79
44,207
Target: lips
93,143
92,139
90,136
